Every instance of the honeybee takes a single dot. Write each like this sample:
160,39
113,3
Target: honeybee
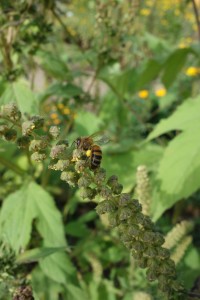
89,144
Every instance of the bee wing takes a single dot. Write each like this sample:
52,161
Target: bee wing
100,138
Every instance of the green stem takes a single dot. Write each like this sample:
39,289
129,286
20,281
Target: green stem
12,166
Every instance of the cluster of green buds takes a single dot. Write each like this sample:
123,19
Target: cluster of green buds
136,230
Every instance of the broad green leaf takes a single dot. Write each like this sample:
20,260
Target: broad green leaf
18,212
186,116
174,64
16,218
87,123
20,93
63,90
36,254
77,229
179,169
150,72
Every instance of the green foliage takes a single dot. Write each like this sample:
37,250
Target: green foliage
126,69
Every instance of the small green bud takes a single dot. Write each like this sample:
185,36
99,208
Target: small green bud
167,269
12,112
105,192
134,230
125,213
80,166
163,252
142,262
158,239
123,227
114,185
150,252
147,223
38,157
70,177
124,199
147,237
78,154
28,127
125,237
54,132
84,181
138,246
105,206
3,129
37,145
99,176
10,135
137,255
88,193
151,275
113,219
61,165
176,286
38,121
58,151
23,142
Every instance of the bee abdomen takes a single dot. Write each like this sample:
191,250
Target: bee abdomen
96,157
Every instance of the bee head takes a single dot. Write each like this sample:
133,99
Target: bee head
78,142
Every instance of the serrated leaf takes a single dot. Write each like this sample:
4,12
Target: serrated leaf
186,116
18,212
179,169
20,93
174,64
36,254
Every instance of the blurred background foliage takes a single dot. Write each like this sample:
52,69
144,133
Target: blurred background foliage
132,70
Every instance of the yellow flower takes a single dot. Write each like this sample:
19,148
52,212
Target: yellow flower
53,116
161,92
145,12
192,71
66,111
56,121
61,105
143,94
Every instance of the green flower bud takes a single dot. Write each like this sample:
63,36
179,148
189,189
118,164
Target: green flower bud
138,246
12,112
176,286
147,223
58,151
125,237
3,129
134,230
125,199
38,157
78,154
105,192
80,166
163,252
37,145
123,228
23,142
84,181
125,213
99,176
70,177
61,165
10,135
113,219
28,127
136,255
147,237
150,252
38,121
151,275
105,206
142,262
158,239
112,180
88,193
167,269
54,132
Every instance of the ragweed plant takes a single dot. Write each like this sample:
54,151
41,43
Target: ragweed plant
136,230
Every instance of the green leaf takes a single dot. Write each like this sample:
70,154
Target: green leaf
18,212
150,72
77,229
186,116
63,90
87,123
174,64
20,93
179,169
36,254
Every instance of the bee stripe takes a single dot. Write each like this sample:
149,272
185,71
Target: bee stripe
97,156
97,152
